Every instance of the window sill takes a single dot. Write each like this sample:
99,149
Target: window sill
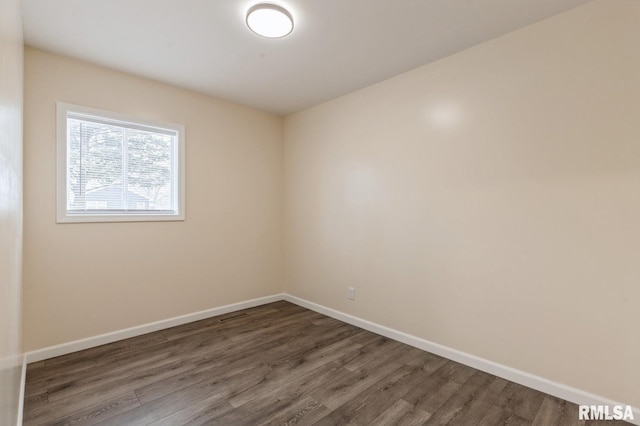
98,218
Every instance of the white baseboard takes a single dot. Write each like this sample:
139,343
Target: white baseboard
559,390
23,382
90,342
541,384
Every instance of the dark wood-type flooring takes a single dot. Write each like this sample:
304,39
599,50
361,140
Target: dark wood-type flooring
276,364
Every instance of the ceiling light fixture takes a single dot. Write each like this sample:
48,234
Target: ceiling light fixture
269,20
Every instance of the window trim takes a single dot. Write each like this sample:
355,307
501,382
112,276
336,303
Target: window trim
62,110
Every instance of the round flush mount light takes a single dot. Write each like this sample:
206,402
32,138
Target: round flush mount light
269,20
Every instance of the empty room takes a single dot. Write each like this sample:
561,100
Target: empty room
319,212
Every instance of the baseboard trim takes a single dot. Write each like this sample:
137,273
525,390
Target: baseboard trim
23,382
559,390
102,339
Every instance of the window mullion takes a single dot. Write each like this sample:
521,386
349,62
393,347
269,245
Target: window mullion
125,168
81,170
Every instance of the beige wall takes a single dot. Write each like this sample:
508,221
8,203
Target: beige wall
11,52
81,280
489,202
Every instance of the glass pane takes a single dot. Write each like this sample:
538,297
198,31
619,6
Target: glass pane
95,166
149,173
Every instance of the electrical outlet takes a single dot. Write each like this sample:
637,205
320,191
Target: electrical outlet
351,293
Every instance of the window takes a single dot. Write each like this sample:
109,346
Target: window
115,168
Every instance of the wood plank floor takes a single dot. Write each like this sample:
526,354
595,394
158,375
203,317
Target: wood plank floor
276,364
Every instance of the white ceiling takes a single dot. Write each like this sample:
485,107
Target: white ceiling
337,46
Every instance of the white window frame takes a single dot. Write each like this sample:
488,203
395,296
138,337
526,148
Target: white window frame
63,216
